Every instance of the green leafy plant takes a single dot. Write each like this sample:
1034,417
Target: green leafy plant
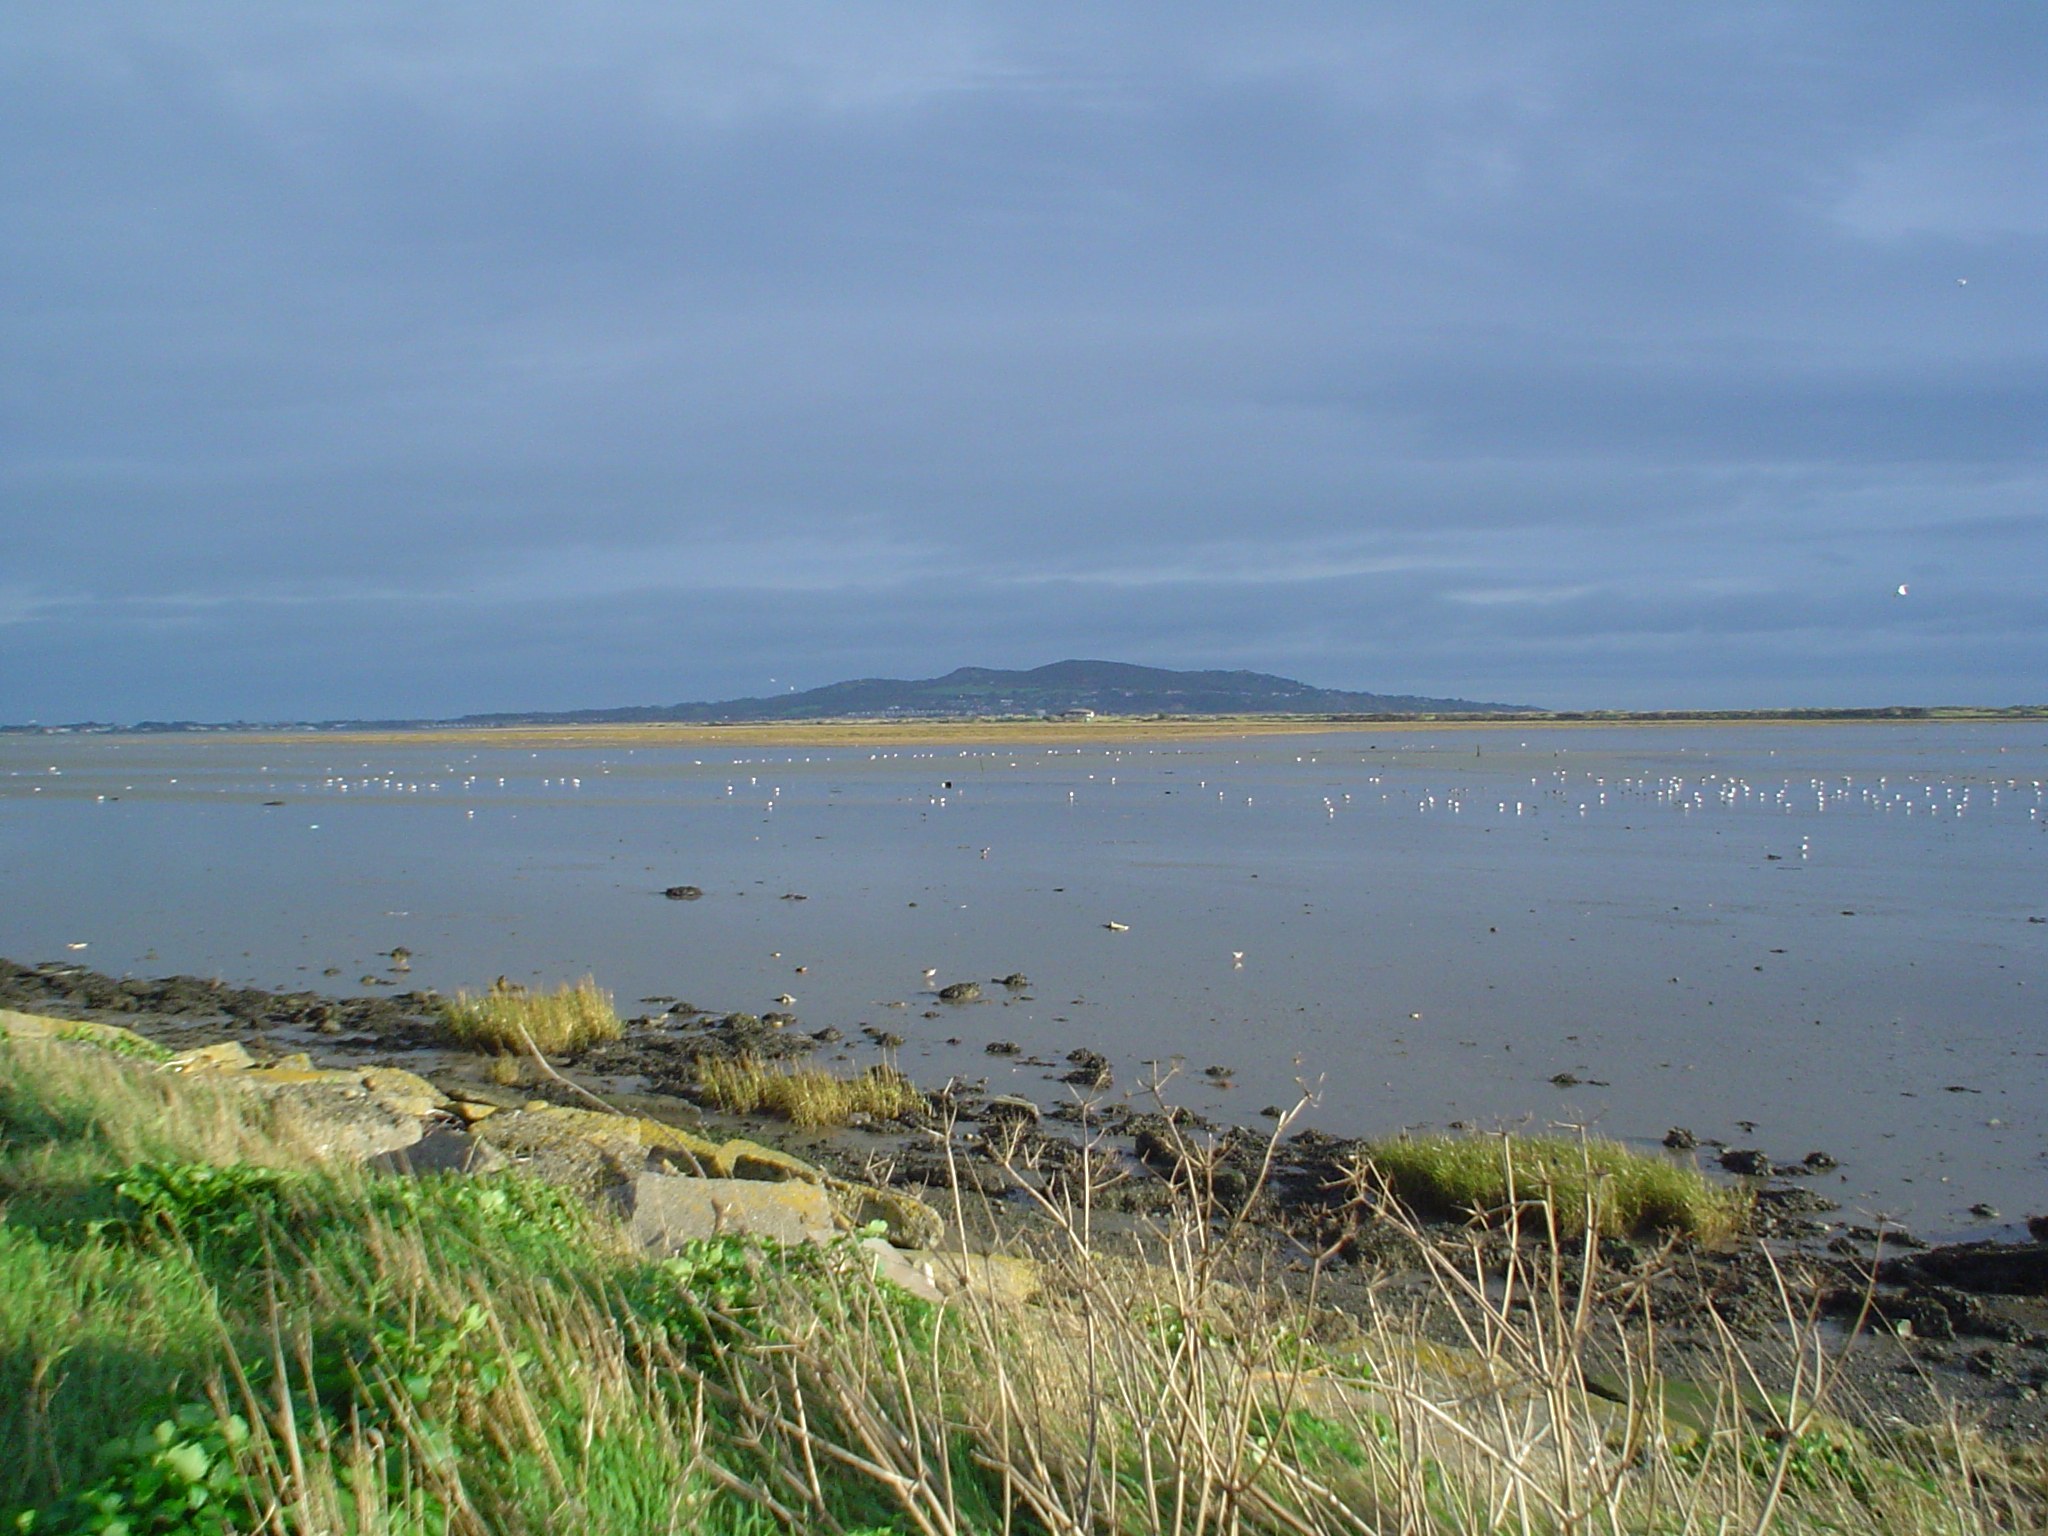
426,1361
180,1478
223,1211
519,1214
1306,1436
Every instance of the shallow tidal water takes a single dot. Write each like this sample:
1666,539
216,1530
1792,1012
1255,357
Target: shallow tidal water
1830,933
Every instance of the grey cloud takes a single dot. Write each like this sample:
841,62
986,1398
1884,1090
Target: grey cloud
1404,349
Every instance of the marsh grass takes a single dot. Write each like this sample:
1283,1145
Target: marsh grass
1582,1181
511,1018
806,1096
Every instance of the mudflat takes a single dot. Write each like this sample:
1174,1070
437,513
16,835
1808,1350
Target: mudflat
1785,939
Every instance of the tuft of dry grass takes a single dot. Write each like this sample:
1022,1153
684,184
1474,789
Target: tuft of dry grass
509,1017
1581,1181
807,1096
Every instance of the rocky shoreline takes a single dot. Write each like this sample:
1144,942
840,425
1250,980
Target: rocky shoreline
1920,1328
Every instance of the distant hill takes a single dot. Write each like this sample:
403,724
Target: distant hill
1065,687
1106,687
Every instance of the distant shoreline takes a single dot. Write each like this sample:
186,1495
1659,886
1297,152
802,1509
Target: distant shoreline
975,732
971,730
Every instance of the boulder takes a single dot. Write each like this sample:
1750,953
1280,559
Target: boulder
228,1056
668,1211
909,1221
343,1085
463,1091
591,1152
442,1151
371,1113
594,1153
2003,1269
899,1267
742,1159
1010,1107
582,1151
943,1277
326,1114
327,1124
406,1092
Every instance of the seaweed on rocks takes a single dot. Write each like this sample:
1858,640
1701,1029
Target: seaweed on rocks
2012,1269
931,1167
1090,1070
668,1057
402,1020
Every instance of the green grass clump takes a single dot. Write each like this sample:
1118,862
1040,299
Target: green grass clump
132,1046
509,1017
1625,1192
807,1096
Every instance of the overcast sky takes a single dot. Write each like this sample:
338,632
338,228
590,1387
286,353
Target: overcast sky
400,358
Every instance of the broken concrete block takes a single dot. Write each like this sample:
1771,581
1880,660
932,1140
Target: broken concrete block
910,1222
329,1124
900,1268
741,1159
669,1210
442,1151
228,1056
942,1277
405,1092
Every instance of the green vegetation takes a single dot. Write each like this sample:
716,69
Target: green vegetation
509,1017
1575,1183
118,1043
807,1096
201,1333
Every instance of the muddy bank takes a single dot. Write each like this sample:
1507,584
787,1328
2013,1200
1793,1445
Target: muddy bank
1965,1324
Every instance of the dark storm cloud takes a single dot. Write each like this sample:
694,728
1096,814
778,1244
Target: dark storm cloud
377,360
